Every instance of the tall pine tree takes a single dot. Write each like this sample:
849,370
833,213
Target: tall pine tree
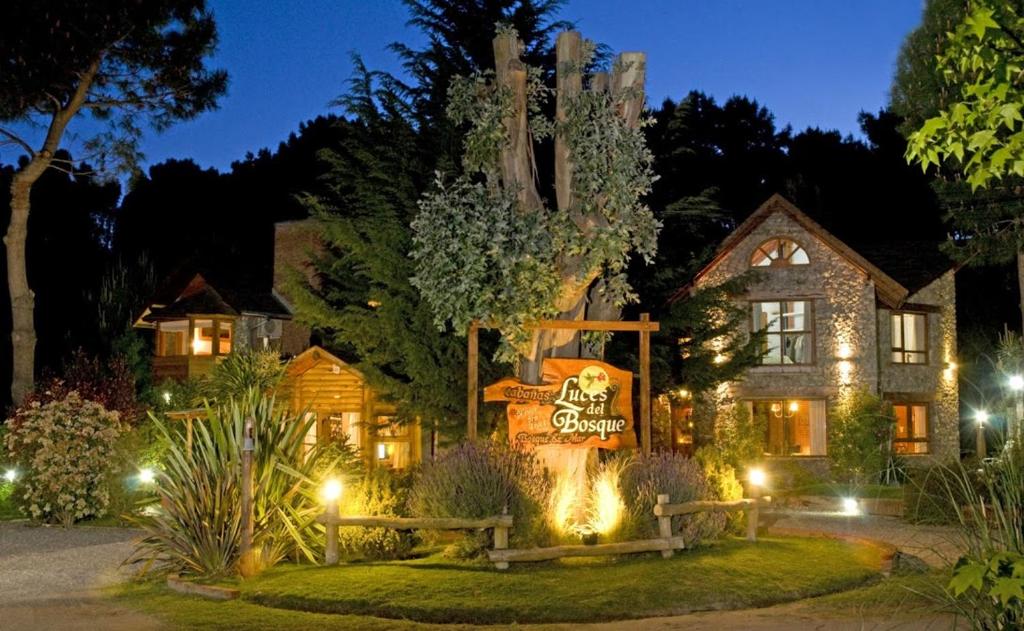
364,305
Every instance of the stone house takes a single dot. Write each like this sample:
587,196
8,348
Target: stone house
839,320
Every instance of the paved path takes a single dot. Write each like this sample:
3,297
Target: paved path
51,578
938,546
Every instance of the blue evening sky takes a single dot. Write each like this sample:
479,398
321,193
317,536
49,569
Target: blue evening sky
811,62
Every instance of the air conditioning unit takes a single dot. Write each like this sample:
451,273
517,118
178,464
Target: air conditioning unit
269,328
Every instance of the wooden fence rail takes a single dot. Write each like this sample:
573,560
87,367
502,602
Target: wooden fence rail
667,543
332,520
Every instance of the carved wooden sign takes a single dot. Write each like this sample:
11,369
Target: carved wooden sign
581,403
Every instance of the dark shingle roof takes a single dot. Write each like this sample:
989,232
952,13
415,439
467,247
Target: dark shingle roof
187,293
913,264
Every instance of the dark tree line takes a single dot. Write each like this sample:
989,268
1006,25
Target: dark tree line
363,167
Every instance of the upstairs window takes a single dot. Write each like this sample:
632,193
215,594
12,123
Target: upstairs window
789,328
909,338
779,252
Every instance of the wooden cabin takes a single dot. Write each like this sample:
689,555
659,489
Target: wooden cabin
196,324
345,408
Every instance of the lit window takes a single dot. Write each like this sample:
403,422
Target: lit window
793,427
224,331
171,338
911,434
202,337
778,253
909,338
789,331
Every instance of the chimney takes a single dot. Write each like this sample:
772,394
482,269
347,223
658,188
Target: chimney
296,243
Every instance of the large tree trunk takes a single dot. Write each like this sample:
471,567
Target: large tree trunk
23,332
23,301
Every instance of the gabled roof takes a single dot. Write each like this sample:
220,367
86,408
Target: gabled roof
308,358
186,294
895,276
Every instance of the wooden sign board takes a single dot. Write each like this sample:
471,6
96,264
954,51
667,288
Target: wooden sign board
581,403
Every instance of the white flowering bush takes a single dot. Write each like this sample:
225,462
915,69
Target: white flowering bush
65,450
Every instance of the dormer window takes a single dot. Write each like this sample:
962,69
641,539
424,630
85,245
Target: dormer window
779,252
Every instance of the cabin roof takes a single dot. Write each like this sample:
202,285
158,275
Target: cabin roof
193,293
312,356
897,269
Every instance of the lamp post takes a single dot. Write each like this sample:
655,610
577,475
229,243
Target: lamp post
757,480
245,548
330,492
981,416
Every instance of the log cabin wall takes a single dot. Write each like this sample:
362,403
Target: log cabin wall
320,383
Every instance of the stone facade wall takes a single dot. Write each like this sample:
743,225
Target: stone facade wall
843,304
852,335
936,381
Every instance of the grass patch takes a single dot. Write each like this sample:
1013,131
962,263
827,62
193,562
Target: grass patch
191,612
7,508
732,574
835,489
907,595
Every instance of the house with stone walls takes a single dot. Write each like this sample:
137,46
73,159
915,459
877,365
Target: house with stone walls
838,320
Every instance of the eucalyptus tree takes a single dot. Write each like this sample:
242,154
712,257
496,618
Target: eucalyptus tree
487,247
126,63
395,136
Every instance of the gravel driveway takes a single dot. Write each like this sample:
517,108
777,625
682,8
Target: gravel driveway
50,578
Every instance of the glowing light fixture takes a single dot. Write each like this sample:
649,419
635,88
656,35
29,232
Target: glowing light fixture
845,351
850,506
147,475
981,416
1017,382
10,475
331,490
757,477
794,407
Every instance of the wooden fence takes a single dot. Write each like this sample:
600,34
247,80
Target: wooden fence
667,543
332,520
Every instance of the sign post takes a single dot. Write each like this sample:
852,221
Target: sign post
644,327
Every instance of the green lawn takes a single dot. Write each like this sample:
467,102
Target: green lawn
899,597
732,574
7,508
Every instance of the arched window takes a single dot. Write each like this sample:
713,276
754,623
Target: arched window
777,253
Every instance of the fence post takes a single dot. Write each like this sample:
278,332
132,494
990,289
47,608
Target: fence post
752,514
665,526
501,541
331,550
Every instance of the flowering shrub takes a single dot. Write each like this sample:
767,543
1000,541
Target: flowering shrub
64,450
643,478
109,382
477,480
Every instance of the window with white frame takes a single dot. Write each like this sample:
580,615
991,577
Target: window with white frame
779,252
909,338
789,331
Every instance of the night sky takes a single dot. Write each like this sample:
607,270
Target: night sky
811,62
